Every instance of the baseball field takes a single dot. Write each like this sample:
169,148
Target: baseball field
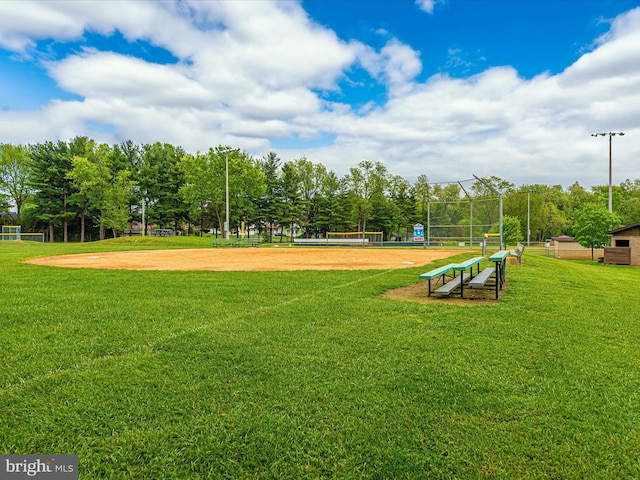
151,371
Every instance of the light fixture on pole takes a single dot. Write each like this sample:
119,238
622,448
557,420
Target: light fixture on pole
225,230
611,134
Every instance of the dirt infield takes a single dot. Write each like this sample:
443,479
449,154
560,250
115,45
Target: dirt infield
251,259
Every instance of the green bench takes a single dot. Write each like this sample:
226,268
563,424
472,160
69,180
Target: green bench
455,282
500,260
462,267
481,278
517,253
466,269
435,273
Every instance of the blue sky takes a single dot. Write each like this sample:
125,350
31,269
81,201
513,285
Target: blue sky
447,88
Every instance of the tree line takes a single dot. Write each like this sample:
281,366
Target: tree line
82,190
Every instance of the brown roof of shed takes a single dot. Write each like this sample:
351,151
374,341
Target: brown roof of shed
623,229
563,238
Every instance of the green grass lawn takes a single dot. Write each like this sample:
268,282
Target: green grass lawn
311,375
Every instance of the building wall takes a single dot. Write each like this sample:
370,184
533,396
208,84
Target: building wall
575,251
634,243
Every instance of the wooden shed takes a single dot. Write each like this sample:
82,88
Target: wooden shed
625,246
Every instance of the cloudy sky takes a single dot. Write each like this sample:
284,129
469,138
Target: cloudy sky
447,88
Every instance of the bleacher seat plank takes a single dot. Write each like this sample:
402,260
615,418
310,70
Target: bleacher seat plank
436,272
451,285
481,279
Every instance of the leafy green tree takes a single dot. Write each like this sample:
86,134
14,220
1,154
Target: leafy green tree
526,205
290,211
50,164
15,174
311,176
83,176
600,193
246,188
511,233
404,205
552,221
5,218
554,215
333,208
202,190
100,189
176,187
268,204
159,179
4,205
204,187
117,203
383,214
591,225
367,183
126,156
576,197
421,191
629,205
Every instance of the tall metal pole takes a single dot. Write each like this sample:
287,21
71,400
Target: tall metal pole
529,192
144,225
501,229
225,235
428,223
610,176
470,223
470,215
611,134
528,218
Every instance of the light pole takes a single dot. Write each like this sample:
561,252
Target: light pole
144,226
529,192
225,230
611,134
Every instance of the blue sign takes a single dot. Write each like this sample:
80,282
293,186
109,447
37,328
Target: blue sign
418,233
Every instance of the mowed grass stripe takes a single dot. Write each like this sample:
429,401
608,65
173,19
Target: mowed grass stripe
341,384
217,318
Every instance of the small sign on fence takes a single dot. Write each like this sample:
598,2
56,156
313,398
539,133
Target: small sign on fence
418,232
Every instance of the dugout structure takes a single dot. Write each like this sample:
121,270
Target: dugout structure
14,233
463,212
364,238
344,239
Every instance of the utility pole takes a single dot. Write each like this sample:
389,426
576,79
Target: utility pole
611,135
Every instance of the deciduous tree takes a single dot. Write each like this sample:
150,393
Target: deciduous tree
15,174
591,225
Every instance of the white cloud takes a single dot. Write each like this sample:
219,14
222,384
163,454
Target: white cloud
426,5
21,23
396,65
105,75
612,60
248,72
